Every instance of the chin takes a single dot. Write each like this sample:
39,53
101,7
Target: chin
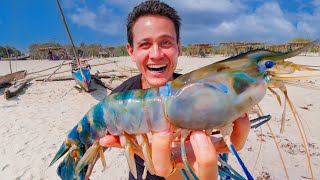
158,82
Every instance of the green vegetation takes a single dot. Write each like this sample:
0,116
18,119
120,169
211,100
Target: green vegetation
314,49
9,50
121,51
301,40
41,50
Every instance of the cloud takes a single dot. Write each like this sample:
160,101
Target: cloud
102,10
84,17
210,21
124,3
316,3
221,6
259,25
308,25
267,22
69,4
102,20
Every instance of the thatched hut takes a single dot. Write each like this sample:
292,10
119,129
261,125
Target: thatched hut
235,48
200,50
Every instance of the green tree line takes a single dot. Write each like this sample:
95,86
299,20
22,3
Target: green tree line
41,50
9,51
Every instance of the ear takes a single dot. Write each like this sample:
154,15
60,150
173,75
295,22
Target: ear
130,52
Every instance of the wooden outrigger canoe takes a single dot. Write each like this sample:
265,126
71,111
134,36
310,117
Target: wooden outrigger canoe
15,88
82,76
8,79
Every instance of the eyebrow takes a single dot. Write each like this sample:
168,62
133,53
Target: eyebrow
162,36
167,36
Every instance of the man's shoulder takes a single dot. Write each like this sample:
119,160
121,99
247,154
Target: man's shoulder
130,84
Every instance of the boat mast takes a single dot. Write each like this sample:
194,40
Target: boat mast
69,35
9,60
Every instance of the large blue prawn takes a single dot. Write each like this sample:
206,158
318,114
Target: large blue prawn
209,98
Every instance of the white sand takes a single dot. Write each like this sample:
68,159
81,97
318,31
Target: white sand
33,125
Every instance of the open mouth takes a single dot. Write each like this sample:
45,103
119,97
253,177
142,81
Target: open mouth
156,68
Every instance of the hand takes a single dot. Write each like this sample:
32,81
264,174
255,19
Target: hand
202,157
238,137
200,152
240,131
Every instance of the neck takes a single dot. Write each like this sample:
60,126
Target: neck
146,85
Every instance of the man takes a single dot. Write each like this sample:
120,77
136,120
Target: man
154,45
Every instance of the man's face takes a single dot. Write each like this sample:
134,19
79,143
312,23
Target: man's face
155,49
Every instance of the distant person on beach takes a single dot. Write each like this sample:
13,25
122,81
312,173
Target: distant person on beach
50,55
153,35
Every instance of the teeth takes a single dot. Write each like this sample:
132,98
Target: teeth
157,66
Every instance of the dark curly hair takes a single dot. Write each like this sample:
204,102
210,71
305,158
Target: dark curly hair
152,7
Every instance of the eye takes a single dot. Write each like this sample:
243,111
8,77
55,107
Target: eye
144,45
269,64
166,43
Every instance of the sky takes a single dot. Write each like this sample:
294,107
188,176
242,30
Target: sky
203,21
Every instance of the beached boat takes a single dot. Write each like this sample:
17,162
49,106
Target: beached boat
8,79
16,88
22,57
82,76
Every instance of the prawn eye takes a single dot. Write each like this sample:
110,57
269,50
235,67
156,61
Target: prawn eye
269,64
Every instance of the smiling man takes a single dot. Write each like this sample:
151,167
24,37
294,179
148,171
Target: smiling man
153,32
154,48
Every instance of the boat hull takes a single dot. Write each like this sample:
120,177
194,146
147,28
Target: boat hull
83,82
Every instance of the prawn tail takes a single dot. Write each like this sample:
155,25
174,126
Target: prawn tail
63,149
66,169
66,145
88,131
90,157
93,128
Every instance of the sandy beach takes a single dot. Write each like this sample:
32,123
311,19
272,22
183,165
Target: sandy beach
34,124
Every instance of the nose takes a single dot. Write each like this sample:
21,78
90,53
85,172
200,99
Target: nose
155,52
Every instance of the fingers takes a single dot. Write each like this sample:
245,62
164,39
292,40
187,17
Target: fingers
110,141
240,131
161,152
206,158
89,171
